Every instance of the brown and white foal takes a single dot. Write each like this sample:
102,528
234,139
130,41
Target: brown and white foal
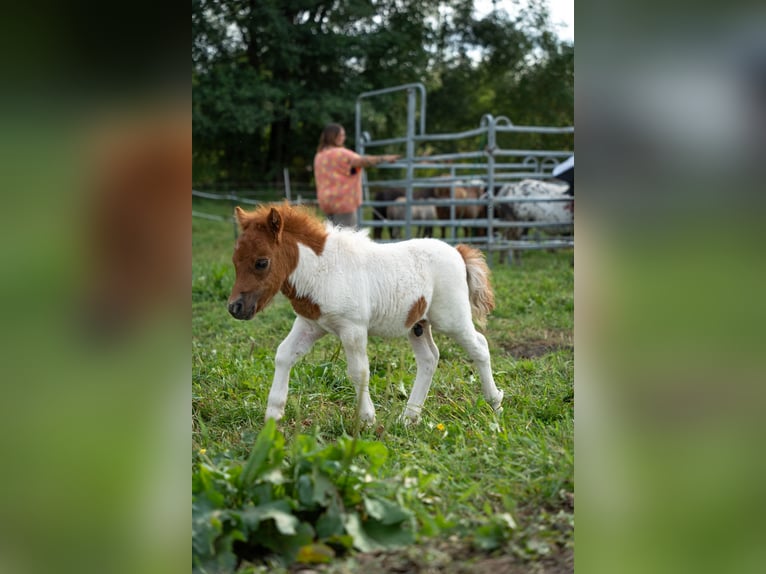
339,281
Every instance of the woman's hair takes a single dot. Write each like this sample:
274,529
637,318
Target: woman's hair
329,136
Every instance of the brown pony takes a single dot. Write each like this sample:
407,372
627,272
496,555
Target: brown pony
464,211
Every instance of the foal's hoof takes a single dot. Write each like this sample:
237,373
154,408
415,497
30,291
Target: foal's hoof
367,422
410,417
367,419
497,403
409,421
273,413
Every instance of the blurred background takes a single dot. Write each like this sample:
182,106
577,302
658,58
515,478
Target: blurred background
95,251
670,108
267,77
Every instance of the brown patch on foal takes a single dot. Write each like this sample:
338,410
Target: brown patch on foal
417,311
304,306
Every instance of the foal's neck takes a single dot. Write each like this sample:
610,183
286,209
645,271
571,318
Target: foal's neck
302,228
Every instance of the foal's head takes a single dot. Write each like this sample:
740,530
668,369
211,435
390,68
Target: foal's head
266,254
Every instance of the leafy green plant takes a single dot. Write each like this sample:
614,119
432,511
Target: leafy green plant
306,505
495,532
462,469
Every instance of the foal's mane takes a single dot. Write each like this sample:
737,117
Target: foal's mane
298,222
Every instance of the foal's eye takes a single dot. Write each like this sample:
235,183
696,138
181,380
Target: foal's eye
261,264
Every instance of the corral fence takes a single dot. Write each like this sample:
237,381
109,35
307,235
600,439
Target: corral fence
490,166
495,164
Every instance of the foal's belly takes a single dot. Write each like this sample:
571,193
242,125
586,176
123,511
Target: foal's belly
387,329
376,326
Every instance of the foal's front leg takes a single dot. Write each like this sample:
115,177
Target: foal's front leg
355,345
298,342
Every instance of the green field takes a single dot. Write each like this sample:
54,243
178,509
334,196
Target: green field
484,488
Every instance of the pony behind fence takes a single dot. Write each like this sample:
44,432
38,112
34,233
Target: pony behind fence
339,281
395,212
463,191
419,214
560,212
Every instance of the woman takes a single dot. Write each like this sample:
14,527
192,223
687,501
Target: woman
338,175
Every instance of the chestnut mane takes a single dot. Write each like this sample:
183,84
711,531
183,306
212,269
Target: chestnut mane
298,222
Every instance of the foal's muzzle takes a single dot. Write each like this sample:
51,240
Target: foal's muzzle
239,310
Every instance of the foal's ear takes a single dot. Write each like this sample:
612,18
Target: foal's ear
242,218
275,224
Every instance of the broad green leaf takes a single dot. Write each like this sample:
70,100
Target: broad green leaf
343,541
279,511
333,452
385,511
207,482
329,523
206,527
354,527
267,453
388,535
375,451
315,554
287,547
303,445
323,488
331,467
305,490
315,488
224,561
488,537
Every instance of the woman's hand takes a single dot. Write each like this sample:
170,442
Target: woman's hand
372,160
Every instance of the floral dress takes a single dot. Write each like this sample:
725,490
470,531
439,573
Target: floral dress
339,185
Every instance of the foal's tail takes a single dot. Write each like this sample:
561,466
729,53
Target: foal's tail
479,289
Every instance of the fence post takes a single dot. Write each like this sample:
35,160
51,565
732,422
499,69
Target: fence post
233,197
490,151
286,175
411,95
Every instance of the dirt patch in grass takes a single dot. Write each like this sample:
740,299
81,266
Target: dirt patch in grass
532,349
446,557
536,343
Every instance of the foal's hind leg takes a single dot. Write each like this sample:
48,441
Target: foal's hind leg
475,344
298,342
426,356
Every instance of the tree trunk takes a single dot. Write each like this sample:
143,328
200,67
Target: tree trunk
278,138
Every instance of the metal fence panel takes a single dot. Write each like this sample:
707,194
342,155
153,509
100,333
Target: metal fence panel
489,168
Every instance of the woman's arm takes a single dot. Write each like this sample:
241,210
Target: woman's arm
371,160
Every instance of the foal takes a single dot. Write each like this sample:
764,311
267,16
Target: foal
341,282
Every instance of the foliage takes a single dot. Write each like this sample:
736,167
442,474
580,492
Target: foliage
306,506
268,75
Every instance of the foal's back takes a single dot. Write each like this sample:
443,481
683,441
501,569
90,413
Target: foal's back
377,285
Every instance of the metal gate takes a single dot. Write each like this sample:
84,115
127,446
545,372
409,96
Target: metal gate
492,166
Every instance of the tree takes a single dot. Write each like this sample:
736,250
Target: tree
267,75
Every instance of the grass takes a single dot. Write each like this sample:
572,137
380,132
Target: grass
478,465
